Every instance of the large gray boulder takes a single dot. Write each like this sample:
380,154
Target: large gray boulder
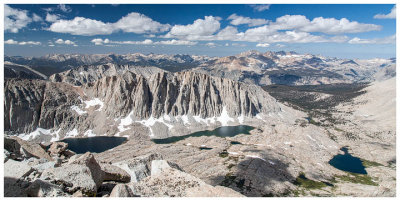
122,190
56,148
114,173
14,172
17,170
140,167
26,149
168,181
40,188
84,174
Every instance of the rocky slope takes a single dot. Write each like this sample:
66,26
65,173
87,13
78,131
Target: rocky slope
290,68
162,105
12,70
55,63
59,172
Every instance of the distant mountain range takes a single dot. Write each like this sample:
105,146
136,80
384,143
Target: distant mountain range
288,68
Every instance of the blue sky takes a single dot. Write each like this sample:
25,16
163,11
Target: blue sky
345,31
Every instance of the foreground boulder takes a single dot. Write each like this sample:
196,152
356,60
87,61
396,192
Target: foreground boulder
140,167
56,148
16,169
25,149
84,174
168,181
122,190
40,188
114,173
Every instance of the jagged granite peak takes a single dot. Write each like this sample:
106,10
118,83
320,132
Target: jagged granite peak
90,73
180,93
32,104
161,105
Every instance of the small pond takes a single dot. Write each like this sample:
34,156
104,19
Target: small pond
225,131
93,144
347,162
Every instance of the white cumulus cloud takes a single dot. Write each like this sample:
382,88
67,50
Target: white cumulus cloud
99,41
131,23
261,7
65,42
391,15
262,45
139,23
64,8
386,40
52,17
238,20
199,29
13,42
15,19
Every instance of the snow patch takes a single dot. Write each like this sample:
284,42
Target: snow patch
224,118
72,133
185,119
56,136
34,134
94,102
89,133
254,156
241,119
78,110
125,122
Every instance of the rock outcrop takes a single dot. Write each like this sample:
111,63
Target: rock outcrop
163,104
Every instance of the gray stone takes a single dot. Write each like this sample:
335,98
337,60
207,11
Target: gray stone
138,168
56,148
122,190
31,149
40,188
114,173
44,166
83,174
16,169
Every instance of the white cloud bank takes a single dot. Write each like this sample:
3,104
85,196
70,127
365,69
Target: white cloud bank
15,19
386,40
13,42
261,7
65,42
99,41
391,15
238,20
131,23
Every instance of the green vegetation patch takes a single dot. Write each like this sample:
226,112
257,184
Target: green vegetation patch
303,181
368,163
358,179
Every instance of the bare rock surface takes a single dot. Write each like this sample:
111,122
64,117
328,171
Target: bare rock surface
122,190
26,149
40,188
56,148
174,183
16,169
114,173
83,174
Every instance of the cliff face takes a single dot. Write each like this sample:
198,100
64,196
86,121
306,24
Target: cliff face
34,103
179,94
162,104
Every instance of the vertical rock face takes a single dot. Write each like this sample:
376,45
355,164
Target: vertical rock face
22,104
163,102
179,94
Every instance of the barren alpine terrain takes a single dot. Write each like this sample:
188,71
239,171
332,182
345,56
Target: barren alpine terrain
296,131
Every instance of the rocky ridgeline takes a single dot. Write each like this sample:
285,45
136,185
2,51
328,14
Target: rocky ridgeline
32,171
163,103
